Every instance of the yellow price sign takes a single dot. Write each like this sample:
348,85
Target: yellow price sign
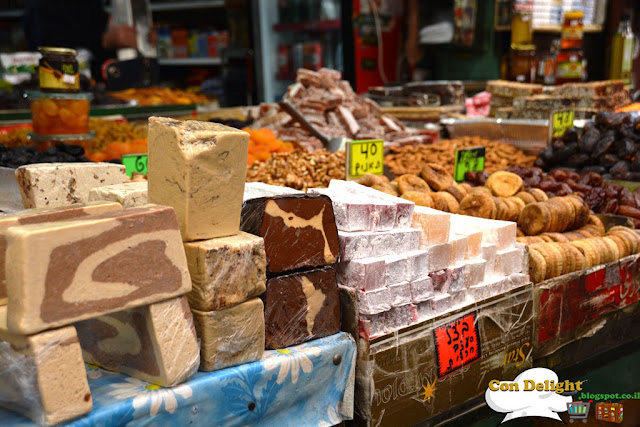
561,121
365,157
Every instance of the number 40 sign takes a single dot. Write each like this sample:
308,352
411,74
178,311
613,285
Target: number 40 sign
364,157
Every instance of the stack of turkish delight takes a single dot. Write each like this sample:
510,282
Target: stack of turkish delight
408,263
199,168
88,281
301,245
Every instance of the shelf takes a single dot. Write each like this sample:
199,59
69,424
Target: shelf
334,24
14,13
558,28
186,5
189,61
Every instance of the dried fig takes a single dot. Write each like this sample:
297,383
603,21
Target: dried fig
436,176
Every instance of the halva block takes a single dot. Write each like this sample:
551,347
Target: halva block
129,194
155,343
198,168
62,184
62,272
226,270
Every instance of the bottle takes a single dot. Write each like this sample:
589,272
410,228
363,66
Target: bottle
622,51
570,65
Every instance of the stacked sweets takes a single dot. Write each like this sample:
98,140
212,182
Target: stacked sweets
199,169
301,244
88,281
409,263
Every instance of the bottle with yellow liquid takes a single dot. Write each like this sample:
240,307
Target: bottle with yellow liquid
622,51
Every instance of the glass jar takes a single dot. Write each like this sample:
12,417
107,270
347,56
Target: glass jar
569,66
60,113
522,64
572,30
58,70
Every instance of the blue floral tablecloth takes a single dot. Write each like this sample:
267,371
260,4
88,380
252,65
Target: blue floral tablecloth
309,384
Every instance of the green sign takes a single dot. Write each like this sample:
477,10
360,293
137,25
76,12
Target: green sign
365,157
135,163
468,160
560,122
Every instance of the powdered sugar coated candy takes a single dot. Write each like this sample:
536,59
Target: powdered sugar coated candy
489,252
518,279
354,245
394,242
398,317
434,225
441,281
404,207
474,240
500,233
458,249
439,256
498,285
372,325
418,264
365,274
400,294
397,269
509,261
441,303
480,291
459,299
373,302
421,290
474,273
457,275
423,310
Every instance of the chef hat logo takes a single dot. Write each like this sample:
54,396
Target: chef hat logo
518,404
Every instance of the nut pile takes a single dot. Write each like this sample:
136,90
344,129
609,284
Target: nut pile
411,158
548,260
299,169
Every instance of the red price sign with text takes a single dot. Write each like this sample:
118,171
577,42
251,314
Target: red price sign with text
457,344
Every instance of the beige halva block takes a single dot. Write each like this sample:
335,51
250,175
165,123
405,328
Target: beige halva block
62,184
155,343
129,194
36,216
43,376
226,270
199,168
62,272
231,336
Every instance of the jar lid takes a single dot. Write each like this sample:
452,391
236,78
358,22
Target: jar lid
574,14
68,137
58,50
59,95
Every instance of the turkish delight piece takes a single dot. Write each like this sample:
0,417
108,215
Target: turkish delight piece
364,274
40,215
62,184
43,376
460,298
375,301
480,291
400,294
418,264
458,249
394,242
354,245
474,240
439,256
231,336
441,303
359,213
199,168
424,310
498,285
398,317
155,343
434,225
255,190
226,270
301,306
62,272
457,275
441,281
404,208
489,254
509,261
299,231
372,325
129,194
474,272
421,290
500,233
518,279
397,269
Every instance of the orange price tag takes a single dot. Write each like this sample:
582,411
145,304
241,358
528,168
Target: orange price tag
457,344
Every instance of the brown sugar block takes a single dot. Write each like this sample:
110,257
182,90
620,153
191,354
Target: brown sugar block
155,343
62,272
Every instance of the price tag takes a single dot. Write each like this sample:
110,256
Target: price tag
561,121
468,160
457,344
135,163
365,157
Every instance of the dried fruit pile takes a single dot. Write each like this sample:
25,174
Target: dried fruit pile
299,169
263,143
608,147
411,158
160,96
601,196
555,215
548,260
19,156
